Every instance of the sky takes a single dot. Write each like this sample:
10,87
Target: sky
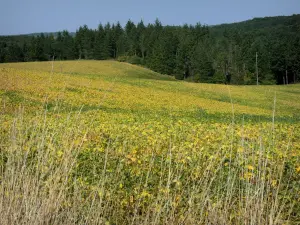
34,16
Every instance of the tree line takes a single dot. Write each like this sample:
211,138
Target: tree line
213,54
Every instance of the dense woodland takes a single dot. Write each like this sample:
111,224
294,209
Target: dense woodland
216,54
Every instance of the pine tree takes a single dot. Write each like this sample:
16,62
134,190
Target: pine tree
164,56
131,34
184,51
141,39
3,52
14,53
68,46
116,33
101,44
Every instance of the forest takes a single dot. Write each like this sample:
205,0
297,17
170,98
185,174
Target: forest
258,51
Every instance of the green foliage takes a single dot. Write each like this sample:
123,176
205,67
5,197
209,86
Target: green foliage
218,78
135,60
179,76
101,50
195,52
123,58
249,78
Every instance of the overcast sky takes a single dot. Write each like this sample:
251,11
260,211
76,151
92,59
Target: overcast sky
31,16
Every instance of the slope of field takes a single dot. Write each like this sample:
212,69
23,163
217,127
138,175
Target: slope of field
124,86
122,144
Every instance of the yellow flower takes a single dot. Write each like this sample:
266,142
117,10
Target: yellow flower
131,199
274,183
248,175
249,167
59,153
240,149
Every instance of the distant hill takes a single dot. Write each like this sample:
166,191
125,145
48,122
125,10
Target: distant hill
22,38
48,34
264,24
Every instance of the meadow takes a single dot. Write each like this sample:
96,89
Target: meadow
104,142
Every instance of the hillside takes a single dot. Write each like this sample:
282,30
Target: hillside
146,90
105,142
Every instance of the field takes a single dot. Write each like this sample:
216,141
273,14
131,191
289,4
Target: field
103,142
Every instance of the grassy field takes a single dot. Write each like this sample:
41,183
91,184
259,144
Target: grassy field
103,142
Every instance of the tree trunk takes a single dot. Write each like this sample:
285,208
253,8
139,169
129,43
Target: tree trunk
256,70
52,64
143,54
